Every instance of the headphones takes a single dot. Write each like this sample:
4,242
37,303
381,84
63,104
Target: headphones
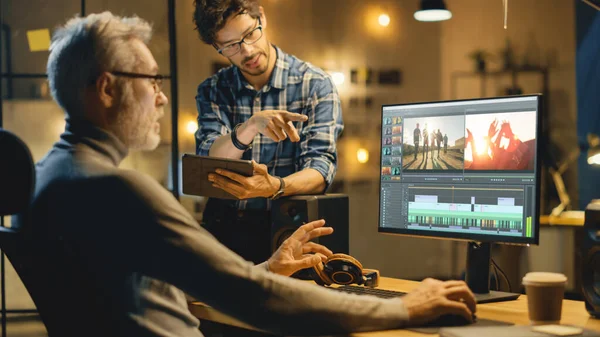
344,269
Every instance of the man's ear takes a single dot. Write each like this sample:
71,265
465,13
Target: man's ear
106,88
263,17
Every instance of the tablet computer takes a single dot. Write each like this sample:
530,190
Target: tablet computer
195,170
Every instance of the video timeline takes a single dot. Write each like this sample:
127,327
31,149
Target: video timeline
473,208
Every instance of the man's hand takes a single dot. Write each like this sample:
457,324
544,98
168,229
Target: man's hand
493,129
469,137
276,124
293,254
434,298
261,184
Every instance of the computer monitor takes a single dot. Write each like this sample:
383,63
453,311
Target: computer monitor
463,170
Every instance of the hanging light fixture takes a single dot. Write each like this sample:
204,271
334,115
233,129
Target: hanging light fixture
433,10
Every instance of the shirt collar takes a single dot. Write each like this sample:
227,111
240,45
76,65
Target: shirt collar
100,140
279,76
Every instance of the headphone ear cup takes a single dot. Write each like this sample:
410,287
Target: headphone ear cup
349,258
343,271
320,275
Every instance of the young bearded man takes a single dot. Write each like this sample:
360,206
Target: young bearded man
270,107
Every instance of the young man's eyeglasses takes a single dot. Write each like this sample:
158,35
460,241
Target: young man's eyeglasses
250,38
594,3
156,80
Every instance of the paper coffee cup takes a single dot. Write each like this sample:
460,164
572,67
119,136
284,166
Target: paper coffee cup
545,292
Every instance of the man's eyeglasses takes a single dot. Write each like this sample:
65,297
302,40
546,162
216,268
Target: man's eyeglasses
156,80
250,38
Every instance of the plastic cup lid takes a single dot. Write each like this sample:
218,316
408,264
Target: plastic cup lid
544,279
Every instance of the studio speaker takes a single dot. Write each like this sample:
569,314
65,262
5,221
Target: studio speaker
287,214
590,258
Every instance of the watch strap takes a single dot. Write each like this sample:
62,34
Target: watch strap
279,192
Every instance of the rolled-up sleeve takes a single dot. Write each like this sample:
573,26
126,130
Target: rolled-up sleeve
319,136
213,121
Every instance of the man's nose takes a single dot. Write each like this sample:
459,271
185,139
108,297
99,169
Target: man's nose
246,49
162,99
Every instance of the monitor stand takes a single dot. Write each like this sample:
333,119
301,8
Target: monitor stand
478,274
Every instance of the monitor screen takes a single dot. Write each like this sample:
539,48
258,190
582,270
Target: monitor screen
463,169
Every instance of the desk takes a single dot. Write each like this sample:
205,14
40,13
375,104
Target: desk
573,313
569,221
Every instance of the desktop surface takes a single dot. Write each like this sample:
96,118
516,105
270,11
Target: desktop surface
515,312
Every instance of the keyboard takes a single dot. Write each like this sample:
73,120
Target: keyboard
369,291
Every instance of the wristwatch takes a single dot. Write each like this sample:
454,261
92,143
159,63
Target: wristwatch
279,193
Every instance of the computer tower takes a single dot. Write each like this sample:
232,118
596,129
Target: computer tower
289,213
590,258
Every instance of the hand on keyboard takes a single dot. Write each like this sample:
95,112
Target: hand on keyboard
434,298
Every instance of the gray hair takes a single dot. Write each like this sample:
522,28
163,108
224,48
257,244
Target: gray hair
85,47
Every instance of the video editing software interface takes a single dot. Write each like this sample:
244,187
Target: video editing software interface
460,169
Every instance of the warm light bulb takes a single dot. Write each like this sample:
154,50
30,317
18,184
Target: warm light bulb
338,77
594,160
432,15
362,155
192,127
384,20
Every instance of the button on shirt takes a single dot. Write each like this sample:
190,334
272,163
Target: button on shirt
227,99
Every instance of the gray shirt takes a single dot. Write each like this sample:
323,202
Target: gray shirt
133,251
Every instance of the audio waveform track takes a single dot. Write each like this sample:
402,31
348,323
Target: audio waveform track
466,219
467,206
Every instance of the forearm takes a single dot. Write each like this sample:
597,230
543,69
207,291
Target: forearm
307,181
263,266
223,146
279,304
291,304
283,305
159,231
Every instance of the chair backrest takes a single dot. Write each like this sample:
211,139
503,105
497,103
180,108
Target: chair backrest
17,174
36,253
17,183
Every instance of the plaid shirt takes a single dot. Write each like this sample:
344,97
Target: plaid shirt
227,99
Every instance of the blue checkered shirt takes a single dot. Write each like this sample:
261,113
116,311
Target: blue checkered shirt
227,99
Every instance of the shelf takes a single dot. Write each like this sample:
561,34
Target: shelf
499,72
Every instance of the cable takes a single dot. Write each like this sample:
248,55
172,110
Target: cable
495,273
503,275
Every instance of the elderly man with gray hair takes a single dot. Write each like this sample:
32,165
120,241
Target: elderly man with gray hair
129,251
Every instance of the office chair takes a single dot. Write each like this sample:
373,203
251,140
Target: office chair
17,182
